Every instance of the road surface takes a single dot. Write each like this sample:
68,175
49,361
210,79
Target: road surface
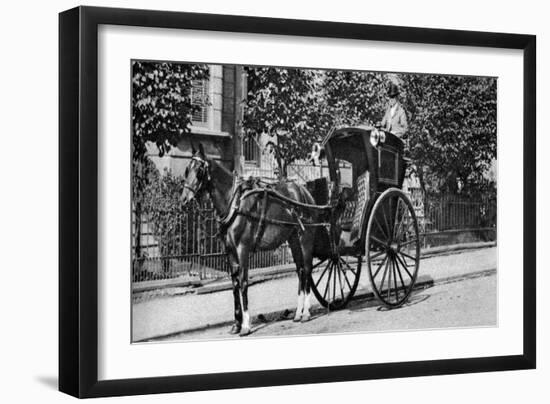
460,292
468,302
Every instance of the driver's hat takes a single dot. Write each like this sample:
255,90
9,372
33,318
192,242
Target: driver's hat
393,90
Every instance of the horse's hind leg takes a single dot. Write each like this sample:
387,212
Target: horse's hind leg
295,248
307,254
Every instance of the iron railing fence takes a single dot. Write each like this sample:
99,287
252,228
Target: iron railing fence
454,219
299,172
183,243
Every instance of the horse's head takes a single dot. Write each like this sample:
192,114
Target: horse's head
197,176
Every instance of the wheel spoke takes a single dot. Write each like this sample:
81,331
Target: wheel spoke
377,240
406,243
388,292
334,283
399,228
407,227
383,276
394,234
395,281
399,272
392,276
407,255
349,267
328,280
378,254
380,267
318,264
345,276
322,274
347,281
404,266
388,224
380,227
340,282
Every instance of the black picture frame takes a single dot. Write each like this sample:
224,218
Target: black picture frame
78,200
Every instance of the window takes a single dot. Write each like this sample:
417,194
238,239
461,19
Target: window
251,150
345,169
387,165
199,97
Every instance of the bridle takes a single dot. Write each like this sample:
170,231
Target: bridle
203,175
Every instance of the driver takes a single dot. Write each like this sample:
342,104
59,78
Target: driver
395,118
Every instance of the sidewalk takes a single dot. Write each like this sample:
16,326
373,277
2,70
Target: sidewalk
175,314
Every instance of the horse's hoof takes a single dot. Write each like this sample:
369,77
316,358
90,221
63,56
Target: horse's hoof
306,318
297,318
244,332
235,329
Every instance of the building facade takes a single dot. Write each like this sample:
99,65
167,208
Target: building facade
217,124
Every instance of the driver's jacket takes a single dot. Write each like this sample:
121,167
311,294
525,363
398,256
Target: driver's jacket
396,124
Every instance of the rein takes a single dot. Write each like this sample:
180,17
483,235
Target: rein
194,190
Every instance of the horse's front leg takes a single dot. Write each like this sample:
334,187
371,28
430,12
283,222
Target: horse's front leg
242,253
294,243
236,327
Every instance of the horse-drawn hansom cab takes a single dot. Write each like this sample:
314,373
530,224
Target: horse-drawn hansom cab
358,217
375,223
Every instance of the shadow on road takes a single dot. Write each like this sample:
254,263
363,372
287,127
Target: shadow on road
354,306
413,300
362,305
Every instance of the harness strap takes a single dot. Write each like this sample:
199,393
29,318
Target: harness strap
276,195
226,220
298,220
282,222
240,193
261,224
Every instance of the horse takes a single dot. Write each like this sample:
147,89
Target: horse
252,223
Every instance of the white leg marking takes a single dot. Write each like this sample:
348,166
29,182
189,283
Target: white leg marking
299,306
307,304
246,318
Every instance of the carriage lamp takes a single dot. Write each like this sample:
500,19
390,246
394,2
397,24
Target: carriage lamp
377,136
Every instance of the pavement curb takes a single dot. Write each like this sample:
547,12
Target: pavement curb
263,275
146,286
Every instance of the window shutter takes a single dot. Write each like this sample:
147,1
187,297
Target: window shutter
199,97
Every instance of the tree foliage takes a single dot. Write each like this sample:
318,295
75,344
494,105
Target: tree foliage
159,204
162,107
452,119
284,104
452,122
162,104
453,126
354,98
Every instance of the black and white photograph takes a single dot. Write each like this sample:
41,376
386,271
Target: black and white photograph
275,201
